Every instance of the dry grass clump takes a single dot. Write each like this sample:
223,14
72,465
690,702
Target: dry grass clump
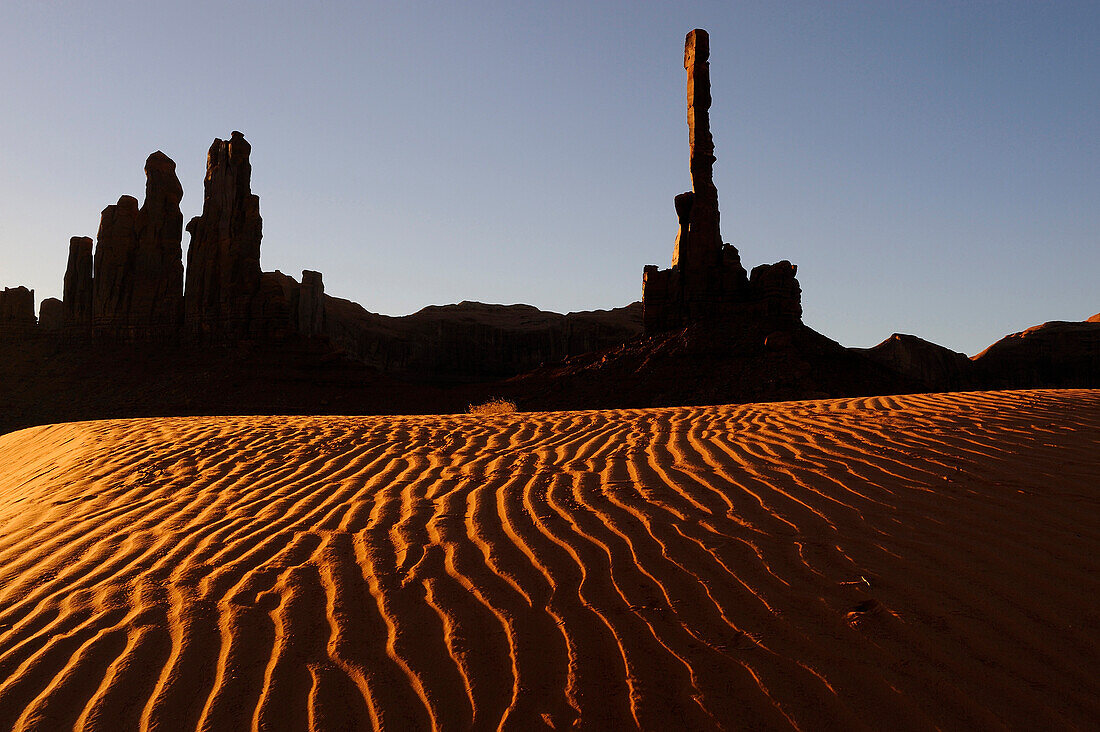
497,405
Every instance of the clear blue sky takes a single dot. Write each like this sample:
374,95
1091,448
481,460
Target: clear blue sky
932,168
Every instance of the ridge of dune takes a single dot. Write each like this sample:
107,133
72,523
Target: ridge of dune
911,561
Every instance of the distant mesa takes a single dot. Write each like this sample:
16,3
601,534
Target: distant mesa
932,366
1055,354
706,281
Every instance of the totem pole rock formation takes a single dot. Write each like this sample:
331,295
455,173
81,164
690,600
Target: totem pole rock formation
706,280
77,297
138,279
223,297
698,246
17,312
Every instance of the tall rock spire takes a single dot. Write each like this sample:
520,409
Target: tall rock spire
707,281
77,316
701,244
160,246
223,260
138,278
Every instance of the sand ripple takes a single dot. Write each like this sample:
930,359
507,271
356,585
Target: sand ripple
916,561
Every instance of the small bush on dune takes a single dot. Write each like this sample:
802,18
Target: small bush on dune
499,405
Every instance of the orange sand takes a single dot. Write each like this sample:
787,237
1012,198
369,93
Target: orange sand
894,562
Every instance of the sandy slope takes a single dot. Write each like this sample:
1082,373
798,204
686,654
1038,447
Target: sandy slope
894,562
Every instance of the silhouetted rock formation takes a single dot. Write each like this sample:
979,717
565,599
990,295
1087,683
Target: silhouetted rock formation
224,292
310,305
158,293
77,298
707,281
932,366
1054,354
138,279
115,253
707,363
17,312
473,341
698,249
51,315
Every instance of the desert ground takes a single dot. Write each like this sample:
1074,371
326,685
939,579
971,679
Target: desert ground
898,562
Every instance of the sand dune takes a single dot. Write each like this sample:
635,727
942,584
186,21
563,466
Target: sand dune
902,562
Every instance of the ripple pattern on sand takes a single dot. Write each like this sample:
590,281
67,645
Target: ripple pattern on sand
917,561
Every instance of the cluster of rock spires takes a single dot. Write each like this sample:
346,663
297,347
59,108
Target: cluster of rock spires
129,286
132,288
706,280
714,333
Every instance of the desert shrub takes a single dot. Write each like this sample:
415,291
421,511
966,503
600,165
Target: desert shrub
497,405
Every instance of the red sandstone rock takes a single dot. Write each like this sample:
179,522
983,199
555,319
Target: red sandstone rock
777,291
704,240
158,292
113,278
934,367
138,278
707,280
223,292
311,304
472,341
77,300
51,315
1054,354
17,312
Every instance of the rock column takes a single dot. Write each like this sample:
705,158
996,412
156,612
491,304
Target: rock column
707,280
77,298
704,241
311,304
115,260
51,315
158,294
223,292
138,279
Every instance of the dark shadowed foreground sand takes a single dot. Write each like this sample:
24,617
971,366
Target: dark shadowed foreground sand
893,562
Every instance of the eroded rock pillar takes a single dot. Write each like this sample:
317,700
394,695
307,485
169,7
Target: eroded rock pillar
704,241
